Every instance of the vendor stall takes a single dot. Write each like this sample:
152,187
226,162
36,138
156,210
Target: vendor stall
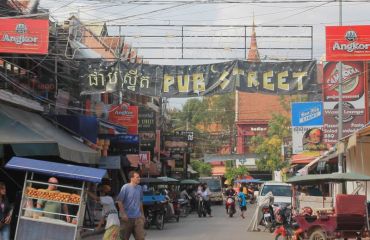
48,213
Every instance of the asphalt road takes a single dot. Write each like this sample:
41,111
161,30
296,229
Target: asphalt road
219,227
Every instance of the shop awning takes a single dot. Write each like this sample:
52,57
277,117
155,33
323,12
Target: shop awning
74,172
30,134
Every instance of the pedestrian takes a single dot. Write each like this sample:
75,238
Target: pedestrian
109,214
5,213
130,203
55,208
242,202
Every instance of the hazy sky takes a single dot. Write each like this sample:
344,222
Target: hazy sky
316,13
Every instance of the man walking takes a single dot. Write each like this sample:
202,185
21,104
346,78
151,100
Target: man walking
131,208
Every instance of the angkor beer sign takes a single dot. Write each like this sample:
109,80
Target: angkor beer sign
347,43
30,36
199,80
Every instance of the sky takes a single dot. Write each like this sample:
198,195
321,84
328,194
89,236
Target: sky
316,13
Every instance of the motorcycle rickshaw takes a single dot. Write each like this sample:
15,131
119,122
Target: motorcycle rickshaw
334,215
172,209
154,203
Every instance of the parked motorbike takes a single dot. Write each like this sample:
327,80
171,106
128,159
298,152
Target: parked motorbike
289,230
268,220
202,211
230,206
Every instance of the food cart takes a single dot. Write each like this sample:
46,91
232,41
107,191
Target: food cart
36,223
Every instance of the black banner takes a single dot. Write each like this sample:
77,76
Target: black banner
199,80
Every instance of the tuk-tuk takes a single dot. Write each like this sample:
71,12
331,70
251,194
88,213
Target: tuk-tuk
154,203
329,216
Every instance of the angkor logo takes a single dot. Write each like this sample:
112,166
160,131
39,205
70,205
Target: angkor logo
351,35
21,28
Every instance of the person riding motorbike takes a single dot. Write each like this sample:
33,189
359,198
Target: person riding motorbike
205,193
230,192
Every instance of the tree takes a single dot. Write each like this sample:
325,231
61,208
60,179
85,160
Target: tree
268,149
204,169
233,173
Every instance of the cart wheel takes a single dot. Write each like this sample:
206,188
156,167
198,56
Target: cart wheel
318,235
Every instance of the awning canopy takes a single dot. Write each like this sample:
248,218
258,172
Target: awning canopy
332,177
31,135
74,172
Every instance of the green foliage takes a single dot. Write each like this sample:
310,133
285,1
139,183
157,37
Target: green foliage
204,169
233,173
268,149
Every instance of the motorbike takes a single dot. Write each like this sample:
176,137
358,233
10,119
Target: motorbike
268,220
170,213
202,211
230,206
288,230
154,215
184,207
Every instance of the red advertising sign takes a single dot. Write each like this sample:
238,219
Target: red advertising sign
29,36
125,115
354,97
353,81
347,43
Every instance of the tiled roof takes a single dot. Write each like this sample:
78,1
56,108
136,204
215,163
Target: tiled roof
257,107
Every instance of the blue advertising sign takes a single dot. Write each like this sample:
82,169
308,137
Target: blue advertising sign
307,114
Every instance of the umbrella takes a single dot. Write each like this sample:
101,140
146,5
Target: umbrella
168,179
189,181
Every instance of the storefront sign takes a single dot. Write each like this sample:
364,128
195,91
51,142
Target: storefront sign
125,115
144,157
308,138
307,114
147,119
354,97
199,80
347,43
30,36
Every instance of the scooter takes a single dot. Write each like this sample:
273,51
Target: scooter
154,215
268,220
230,206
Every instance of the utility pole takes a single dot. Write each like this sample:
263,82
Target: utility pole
340,101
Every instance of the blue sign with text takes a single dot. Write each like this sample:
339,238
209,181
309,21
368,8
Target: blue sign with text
307,114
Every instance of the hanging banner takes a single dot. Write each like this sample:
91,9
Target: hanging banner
30,36
199,80
347,43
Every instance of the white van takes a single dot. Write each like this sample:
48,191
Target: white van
282,191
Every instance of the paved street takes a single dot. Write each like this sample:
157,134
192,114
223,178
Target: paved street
220,227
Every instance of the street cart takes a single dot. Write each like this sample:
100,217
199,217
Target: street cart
330,216
42,223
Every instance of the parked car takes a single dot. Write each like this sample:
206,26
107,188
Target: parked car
282,192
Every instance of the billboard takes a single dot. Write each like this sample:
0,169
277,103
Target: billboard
347,43
29,36
125,115
307,114
307,127
354,99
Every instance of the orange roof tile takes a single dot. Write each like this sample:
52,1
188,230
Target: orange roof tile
257,107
